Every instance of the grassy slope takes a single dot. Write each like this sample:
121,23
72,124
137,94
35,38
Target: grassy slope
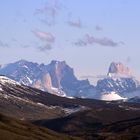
12,129
96,124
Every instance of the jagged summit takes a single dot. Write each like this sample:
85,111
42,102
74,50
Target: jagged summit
120,81
56,77
119,69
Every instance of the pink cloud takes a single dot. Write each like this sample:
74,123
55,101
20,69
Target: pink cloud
44,36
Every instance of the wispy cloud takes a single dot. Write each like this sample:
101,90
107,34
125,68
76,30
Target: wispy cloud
75,23
87,77
128,59
2,44
89,40
94,77
48,12
44,36
80,42
98,28
45,47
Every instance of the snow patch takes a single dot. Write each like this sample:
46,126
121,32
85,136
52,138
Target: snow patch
4,80
30,81
111,96
1,89
24,66
128,108
73,110
58,92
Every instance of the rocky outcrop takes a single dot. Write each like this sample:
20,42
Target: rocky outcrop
119,80
119,85
119,68
56,77
43,83
63,77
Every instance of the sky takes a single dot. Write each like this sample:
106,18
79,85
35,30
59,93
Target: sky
87,34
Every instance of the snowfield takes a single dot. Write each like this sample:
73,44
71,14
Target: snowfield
111,96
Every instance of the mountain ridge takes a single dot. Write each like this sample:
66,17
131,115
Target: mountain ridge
58,78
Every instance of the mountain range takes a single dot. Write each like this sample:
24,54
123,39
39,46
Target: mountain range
27,113
58,78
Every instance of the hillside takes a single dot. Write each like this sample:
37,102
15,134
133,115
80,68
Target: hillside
12,129
92,124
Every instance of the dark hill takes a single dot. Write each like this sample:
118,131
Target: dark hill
12,129
98,124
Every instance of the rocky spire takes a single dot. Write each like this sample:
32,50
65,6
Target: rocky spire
120,69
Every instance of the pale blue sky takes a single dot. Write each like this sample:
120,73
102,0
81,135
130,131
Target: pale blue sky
87,34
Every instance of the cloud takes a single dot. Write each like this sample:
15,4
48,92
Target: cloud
47,14
47,39
44,36
103,76
128,59
98,28
89,40
80,42
45,47
2,44
47,10
101,41
76,23
94,77
87,77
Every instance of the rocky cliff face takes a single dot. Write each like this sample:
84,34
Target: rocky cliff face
119,85
119,68
63,77
56,77
119,80
59,71
44,82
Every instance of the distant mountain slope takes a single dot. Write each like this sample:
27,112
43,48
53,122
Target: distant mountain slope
119,80
57,77
117,84
12,129
75,116
29,103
